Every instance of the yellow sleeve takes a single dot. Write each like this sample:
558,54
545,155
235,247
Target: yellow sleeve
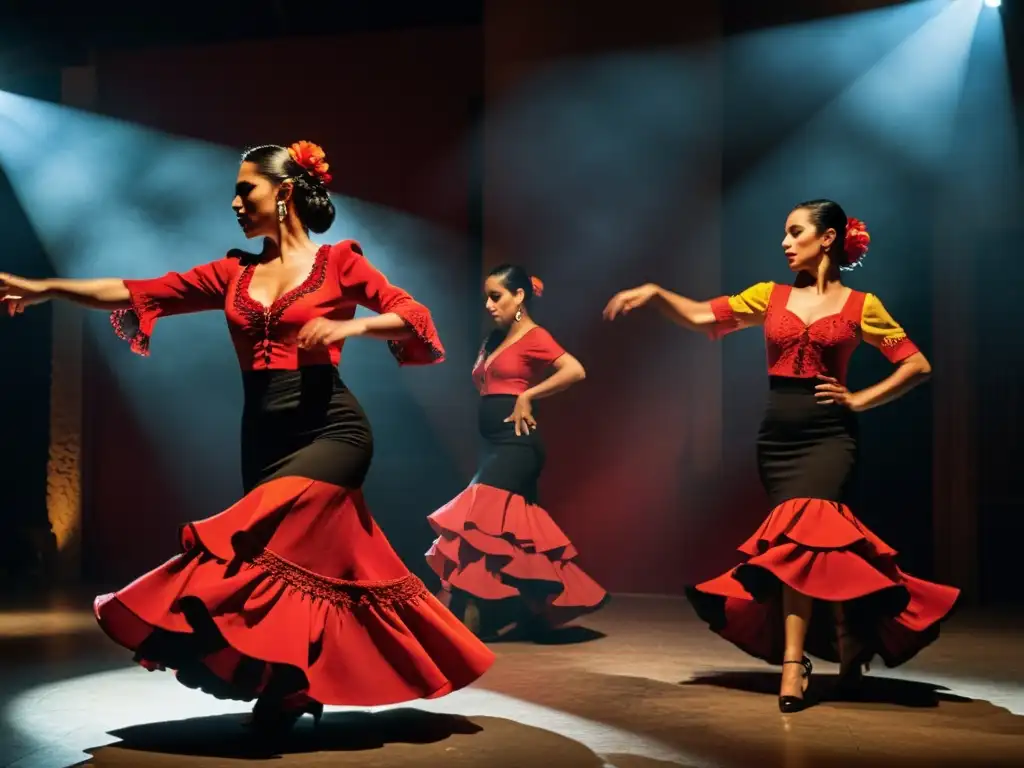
882,332
740,310
753,301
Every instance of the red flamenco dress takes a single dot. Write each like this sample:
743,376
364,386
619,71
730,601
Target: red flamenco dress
494,542
292,596
811,540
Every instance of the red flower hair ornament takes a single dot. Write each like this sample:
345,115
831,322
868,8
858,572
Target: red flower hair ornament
312,158
537,285
855,246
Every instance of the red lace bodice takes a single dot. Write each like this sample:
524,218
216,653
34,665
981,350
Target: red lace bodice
518,366
265,336
801,350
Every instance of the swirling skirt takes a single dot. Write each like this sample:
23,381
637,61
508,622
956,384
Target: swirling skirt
495,542
294,590
813,543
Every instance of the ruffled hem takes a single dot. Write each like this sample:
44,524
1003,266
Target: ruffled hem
241,626
494,545
820,549
424,346
816,524
135,324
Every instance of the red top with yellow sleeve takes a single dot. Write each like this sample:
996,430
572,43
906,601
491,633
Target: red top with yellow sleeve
265,337
800,350
518,366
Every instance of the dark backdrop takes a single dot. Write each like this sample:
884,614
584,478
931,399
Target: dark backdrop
651,461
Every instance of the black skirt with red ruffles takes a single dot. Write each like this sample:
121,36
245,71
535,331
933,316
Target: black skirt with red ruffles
496,543
813,543
294,591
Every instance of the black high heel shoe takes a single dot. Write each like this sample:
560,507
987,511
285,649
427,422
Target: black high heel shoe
790,704
850,681
273,718
533,623
851,675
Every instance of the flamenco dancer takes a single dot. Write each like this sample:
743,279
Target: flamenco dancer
495,544
292,596
815,578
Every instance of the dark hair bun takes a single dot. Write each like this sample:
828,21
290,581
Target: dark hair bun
313,204
515,278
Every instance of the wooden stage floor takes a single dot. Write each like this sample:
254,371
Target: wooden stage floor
642,685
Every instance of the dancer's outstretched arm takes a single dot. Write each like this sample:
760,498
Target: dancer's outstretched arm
694,315
717,317
107,293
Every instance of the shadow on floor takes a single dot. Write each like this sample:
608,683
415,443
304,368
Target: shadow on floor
874,690
572,635
229,736
404,737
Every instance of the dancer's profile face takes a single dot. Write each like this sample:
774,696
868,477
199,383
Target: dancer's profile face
501,303
255,202
803,244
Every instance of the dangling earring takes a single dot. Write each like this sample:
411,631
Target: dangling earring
282,210
519,314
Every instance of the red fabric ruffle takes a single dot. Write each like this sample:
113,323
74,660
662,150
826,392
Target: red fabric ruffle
135,325
423,347
820,549
294,578
493,544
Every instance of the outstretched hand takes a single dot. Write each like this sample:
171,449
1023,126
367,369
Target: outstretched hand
16,293
624,302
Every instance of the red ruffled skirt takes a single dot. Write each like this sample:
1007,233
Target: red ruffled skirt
294,588
812,543
820,549
493,544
